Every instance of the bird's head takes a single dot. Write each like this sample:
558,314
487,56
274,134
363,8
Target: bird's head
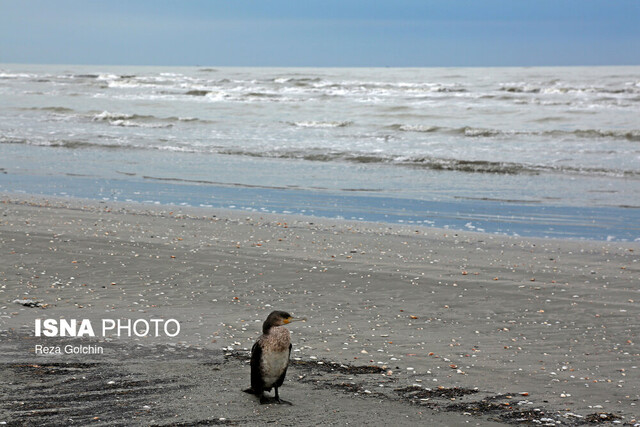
279,318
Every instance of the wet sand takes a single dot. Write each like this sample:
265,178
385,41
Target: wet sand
456,328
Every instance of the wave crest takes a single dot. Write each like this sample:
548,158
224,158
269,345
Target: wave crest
321,124
433,163
474,132
320,155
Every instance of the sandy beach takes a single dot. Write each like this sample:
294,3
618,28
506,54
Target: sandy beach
406,325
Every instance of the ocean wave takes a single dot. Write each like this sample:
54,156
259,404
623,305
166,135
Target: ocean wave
107,76
301,86
119,119
59,110
141,120
107,116
108,142
85,76
131,120
629,135
416,86
301,81
558,89
58,143
297,89
5,75
238,94
321,124
432,163
255,94
416,128
198,92
319,155
317,84
470,131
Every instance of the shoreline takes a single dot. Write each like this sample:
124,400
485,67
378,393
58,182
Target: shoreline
555,319
525,216
157,209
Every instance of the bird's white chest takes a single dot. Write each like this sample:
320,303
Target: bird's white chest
273,364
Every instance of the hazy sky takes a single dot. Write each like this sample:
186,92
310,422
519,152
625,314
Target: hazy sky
321,32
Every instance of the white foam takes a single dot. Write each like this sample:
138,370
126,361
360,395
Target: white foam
321,124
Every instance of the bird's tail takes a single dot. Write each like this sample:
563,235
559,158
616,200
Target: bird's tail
250,391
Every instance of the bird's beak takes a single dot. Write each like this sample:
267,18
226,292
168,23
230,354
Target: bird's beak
295,319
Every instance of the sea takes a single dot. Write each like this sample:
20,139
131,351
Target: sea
540,152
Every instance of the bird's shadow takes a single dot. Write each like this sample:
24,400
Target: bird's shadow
266,400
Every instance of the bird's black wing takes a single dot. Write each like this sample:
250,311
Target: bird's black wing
284,373
256,375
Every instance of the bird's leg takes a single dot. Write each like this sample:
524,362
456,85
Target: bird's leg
264,399
278,398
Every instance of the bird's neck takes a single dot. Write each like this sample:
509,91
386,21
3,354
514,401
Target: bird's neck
276,330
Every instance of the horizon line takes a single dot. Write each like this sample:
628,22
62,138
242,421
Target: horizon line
320,66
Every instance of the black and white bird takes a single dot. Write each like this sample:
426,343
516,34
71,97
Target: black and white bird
270,356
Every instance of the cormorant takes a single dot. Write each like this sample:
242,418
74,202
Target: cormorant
270,356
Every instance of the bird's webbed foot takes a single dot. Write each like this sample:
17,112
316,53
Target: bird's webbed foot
264,400
280,401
